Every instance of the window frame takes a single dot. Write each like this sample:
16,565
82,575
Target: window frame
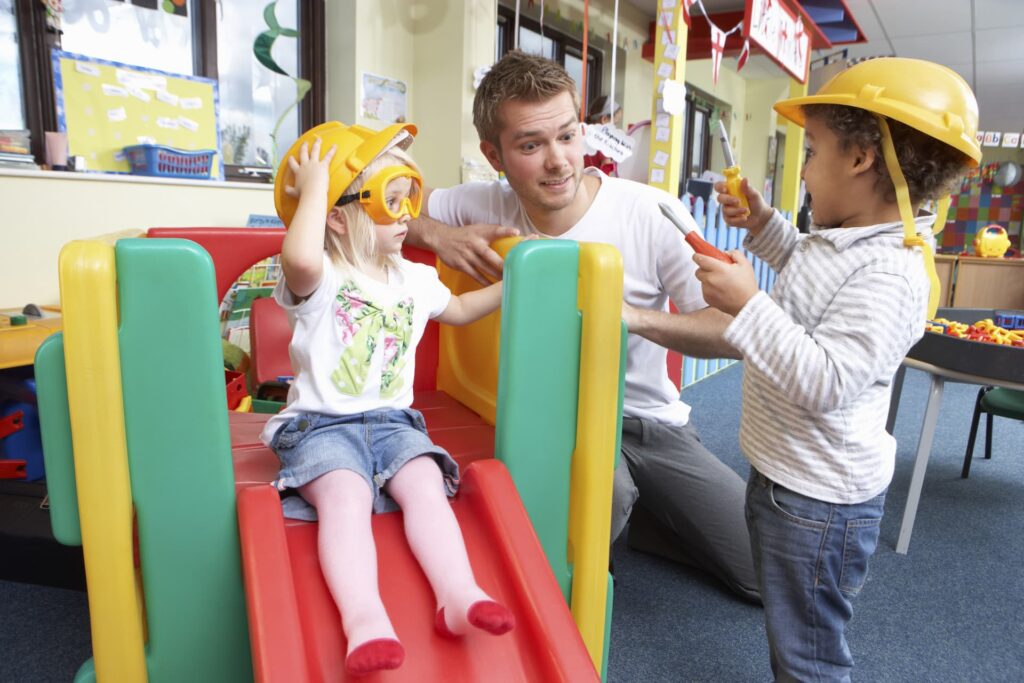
36,43
693,106
564,43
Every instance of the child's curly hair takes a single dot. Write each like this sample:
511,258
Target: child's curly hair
931,167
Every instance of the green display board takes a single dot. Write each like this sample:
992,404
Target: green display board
105,106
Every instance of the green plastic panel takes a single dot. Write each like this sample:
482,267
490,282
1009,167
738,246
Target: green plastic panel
538,385
55,428
179,452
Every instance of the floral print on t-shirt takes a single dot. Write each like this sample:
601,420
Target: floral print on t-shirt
361,325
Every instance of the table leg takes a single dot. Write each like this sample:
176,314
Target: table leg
924,449
894,398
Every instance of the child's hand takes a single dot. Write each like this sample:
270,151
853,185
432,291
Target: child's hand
310,173
734,212
727,286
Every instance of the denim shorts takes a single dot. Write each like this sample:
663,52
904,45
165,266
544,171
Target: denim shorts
374,444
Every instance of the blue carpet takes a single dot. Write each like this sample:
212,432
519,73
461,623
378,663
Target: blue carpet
950,610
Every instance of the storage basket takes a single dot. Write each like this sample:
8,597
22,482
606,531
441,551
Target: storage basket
168,162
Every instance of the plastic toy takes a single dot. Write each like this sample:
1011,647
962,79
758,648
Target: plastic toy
991,241
1011,320
557,413
983,331
12,423
21,333
733,179
698,243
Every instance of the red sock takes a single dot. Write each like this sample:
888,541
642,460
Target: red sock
487,615
441,627
374,655
491,616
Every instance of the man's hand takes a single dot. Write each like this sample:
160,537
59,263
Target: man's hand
734,212
630,316
468,249
727,286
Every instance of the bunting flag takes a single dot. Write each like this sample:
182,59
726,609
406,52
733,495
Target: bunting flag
687,4
717,48
744,53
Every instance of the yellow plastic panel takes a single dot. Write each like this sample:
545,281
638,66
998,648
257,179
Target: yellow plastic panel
467,367
593,463
89,302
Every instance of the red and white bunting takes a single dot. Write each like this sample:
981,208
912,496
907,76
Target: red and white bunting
744,53
717,48
687,4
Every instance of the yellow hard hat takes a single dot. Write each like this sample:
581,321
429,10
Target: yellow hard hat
928,97
357,147
923,95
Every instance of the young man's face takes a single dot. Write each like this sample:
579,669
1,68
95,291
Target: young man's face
540,151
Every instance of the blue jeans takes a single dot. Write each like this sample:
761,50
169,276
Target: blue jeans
811,559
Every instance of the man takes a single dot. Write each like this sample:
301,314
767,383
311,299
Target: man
527,115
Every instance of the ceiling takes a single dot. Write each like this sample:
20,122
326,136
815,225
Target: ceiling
983,40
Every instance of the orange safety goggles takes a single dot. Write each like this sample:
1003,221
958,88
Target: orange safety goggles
385,206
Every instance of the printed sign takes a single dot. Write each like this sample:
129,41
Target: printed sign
772,25
609,141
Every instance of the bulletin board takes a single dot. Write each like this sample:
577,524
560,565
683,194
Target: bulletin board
104,106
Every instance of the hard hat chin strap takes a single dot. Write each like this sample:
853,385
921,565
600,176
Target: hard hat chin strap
910,236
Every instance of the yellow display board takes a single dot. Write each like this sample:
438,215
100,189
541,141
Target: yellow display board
105,106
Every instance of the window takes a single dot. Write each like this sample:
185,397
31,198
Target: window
130,33
210,38
566,50
12,115
252,98
696,158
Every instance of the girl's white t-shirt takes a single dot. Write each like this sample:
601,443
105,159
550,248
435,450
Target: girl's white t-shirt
354,339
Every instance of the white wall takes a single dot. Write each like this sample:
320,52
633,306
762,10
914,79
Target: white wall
759,124
433,47
434,51
44,211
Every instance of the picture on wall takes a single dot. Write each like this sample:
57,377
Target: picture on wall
384,99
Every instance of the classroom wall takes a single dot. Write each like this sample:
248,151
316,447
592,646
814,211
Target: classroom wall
759,124
434,50
433,47
979,202
731,89
42,212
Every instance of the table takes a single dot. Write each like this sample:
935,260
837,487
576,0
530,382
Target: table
18,343
939,376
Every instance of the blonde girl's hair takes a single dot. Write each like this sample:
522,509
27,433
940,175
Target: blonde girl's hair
356,249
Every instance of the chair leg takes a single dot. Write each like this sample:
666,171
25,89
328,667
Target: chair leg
974,433
988,436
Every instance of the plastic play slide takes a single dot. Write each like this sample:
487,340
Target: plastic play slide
136,439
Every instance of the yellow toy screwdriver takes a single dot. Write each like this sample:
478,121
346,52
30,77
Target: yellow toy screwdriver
733,179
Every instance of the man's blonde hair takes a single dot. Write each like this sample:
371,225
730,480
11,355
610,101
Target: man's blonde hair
357,248
518,76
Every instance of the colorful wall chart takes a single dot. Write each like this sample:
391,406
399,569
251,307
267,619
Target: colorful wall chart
105,106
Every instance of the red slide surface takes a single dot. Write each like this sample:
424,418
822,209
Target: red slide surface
296,630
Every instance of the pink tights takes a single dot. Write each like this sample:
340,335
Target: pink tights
348,559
